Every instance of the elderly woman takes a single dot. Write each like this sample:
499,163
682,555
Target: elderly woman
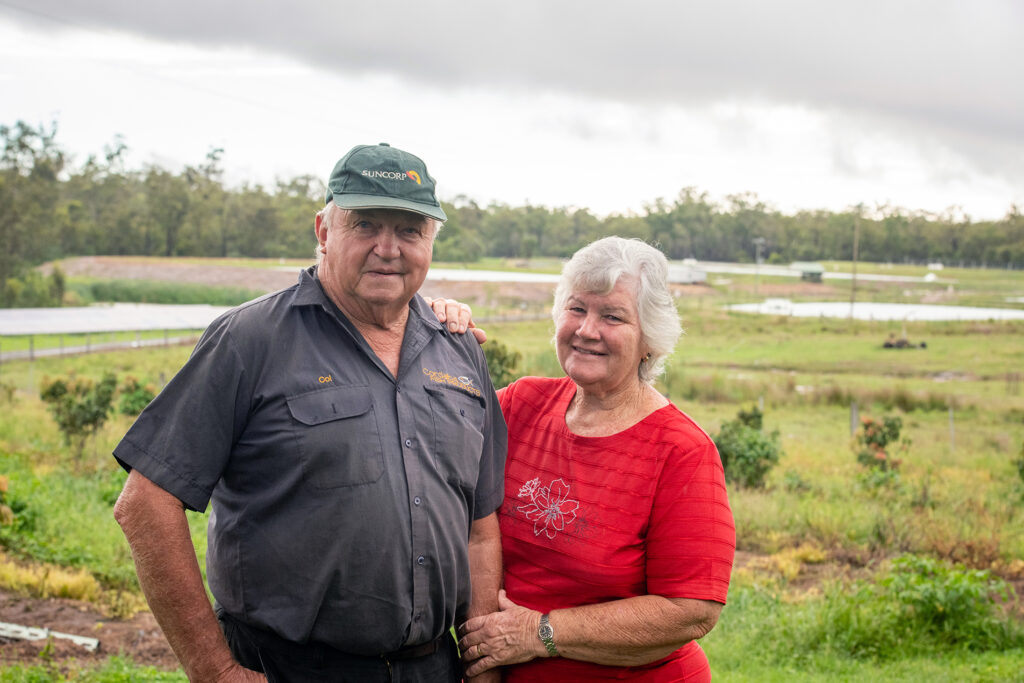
616,529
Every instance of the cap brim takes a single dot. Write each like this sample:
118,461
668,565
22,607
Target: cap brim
370,201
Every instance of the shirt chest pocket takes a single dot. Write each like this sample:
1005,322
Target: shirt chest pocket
458,433
337,437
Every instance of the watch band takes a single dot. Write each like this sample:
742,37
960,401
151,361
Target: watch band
547,635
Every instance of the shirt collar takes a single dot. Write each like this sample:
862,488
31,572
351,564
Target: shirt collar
311,293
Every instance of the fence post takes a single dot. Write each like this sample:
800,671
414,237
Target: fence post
952,430
853,418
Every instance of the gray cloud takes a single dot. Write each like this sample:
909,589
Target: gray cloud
949,68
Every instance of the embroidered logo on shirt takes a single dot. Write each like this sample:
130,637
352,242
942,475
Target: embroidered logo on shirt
464,383
325,379
550,509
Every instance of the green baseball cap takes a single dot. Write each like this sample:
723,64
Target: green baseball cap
383,177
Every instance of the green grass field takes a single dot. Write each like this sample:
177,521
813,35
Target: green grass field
814,596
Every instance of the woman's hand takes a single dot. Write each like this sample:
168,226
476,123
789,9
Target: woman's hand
505,637
459,317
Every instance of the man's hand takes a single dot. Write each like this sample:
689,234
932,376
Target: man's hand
459,317
239,674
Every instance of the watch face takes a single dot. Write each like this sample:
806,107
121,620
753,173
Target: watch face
545,631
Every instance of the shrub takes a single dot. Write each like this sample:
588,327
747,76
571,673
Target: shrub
155,292
79,405
501,363
33,290
875,441
753,418
135,396
747,453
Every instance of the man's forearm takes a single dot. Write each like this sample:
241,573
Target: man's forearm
485,565
485,573
157,530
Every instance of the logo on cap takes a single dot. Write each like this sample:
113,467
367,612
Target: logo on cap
415,176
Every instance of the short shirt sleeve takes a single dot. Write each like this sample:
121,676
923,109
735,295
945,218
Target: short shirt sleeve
183,439
691,538
490,486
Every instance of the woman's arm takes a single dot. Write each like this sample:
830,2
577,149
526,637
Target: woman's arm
626,632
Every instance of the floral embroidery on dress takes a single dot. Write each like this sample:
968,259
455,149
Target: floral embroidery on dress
550,508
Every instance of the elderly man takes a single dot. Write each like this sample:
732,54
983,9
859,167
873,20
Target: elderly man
353,451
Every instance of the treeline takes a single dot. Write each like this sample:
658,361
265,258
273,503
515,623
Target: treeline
50,209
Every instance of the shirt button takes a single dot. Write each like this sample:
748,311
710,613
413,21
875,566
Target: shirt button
416,500
421,560
408,443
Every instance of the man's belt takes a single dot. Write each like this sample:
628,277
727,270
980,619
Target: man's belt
325,653
415,651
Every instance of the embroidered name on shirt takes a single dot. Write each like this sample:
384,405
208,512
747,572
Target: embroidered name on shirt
464,383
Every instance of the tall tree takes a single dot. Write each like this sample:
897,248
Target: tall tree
29,193
167,200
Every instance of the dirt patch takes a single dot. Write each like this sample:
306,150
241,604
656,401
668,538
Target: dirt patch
138,638
787,289
221,273
213,273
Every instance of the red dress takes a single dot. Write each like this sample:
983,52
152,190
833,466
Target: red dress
592,519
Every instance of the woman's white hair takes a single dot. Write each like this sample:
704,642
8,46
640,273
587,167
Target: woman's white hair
331,209
598,266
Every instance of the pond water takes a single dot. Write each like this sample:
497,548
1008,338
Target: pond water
877,311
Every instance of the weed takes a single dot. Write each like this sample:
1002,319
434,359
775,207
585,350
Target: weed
7,391
952,605
47,580
1019,463
917,606
794,482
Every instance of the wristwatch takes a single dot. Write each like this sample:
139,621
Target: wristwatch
547,635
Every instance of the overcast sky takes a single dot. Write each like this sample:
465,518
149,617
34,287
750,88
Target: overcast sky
604,105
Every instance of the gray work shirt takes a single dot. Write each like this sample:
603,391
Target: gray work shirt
342,496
